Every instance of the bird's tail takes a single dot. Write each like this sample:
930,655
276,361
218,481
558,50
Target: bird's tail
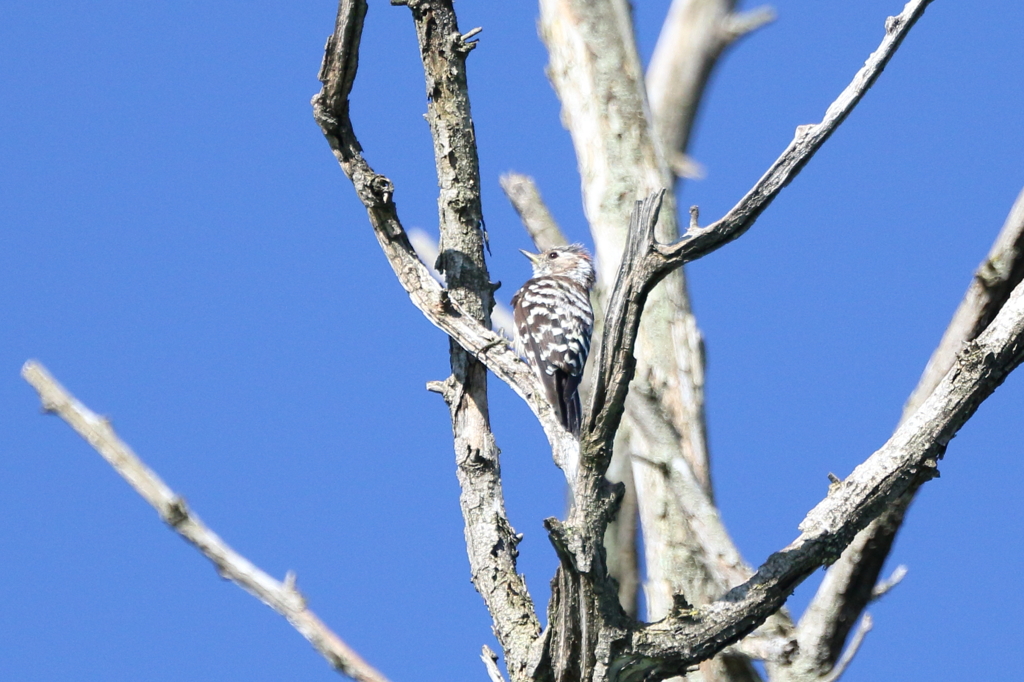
567,401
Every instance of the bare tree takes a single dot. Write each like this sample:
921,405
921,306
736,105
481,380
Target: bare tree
642,449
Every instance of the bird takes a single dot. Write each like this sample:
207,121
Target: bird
554,321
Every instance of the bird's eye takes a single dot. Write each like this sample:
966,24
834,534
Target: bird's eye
553,255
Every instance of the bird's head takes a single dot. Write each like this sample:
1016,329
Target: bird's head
572,261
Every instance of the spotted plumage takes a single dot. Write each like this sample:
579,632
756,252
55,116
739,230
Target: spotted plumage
554,322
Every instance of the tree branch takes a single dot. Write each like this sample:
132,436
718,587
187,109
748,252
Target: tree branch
995,278
698,241
647,262
443,50
491,540
614,363
596,71
692,39
905,461
283,597
525,198
883,587
850,583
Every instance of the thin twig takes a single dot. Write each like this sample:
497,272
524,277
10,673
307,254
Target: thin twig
884,586
283,597
740,24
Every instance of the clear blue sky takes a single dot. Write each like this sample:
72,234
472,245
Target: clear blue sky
179,247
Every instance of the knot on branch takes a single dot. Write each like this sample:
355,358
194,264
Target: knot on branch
804,130
324,116
508,539
438,386
993,273
559,537
579,543
682,609
893,24
928,470
445,303
380,190
175,512
49,405
612,494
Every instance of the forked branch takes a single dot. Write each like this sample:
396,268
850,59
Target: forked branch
647,262
852,582
689,636
377,194
700,241
905,461
669,647
461,312
615,363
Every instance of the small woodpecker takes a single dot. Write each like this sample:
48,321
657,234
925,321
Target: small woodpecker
554,322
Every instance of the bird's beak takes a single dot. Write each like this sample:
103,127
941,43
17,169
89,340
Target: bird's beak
534,257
